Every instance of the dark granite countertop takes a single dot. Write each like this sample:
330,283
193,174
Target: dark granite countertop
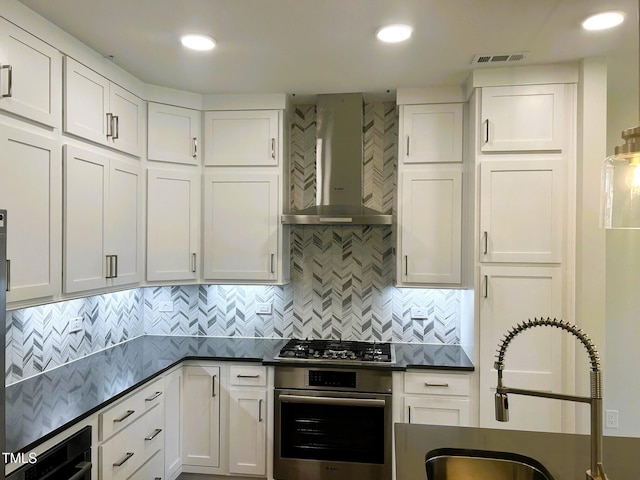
42,406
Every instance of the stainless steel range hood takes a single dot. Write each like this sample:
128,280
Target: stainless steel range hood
339,167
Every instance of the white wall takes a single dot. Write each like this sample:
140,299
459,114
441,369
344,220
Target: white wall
622,380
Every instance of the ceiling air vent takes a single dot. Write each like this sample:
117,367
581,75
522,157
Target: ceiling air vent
497,58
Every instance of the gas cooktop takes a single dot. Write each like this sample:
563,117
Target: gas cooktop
338,351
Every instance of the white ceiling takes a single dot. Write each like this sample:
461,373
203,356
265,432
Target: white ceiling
307,47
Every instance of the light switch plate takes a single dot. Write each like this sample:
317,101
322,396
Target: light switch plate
419,313
75,325
165,306
263,308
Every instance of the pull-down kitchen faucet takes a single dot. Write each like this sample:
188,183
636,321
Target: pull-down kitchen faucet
596,472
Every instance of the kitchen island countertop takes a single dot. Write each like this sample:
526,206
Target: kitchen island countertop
46,404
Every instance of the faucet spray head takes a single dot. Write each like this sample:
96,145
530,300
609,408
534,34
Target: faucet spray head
502,407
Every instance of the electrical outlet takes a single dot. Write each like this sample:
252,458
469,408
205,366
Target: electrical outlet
75,325
165,306
263,308
611,418
419,313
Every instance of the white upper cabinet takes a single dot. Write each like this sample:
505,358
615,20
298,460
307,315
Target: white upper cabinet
173,220
242,138
101,111
431,226
30,76
102,223
522,204
30,191
173,134
522,118
432,133
241,226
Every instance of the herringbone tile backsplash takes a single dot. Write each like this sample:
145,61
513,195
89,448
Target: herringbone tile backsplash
342,281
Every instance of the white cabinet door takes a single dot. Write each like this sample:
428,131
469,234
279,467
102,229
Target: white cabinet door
201,410
173,199
173,134
534,360
86,102
522,204
86,187
127,133
241,226
101,111
522,118
125,225
173,407
247,431
437,411
241,138
30,76
102,221
30,191
431,226
432,133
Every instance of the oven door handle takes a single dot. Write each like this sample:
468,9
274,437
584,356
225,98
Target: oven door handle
84,467
356,402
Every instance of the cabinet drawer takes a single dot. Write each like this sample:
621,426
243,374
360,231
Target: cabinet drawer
129,409
122,454
153,469
248,375
436,383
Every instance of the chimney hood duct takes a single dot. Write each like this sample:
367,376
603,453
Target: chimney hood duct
339,167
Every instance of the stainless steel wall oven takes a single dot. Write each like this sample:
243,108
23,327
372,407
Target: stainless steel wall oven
332,423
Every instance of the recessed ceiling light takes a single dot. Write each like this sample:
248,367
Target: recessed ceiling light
394,33
602,21
198,42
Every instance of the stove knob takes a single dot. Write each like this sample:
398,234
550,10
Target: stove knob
334,355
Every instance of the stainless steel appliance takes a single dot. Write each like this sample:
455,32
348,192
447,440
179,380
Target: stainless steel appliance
3,317
69,460
333,417
342,352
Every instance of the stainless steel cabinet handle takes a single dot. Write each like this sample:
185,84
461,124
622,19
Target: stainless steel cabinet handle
406,264
407,145
9,69
121,462
193,262
486,132
116,130
272,262
260,411
109,267
8,287
409,407
195,147
124,417
155,433
153,397
273,148
114,272
486,286
485,239
240,375
444,385
109,125
213,385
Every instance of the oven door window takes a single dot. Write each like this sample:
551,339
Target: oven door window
343,432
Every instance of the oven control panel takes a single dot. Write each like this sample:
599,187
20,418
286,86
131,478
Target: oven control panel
332,378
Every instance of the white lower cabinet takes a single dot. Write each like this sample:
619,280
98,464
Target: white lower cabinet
132,435
201,409
173,393
437,398
248,412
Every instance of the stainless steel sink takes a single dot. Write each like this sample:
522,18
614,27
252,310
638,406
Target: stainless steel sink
467,464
